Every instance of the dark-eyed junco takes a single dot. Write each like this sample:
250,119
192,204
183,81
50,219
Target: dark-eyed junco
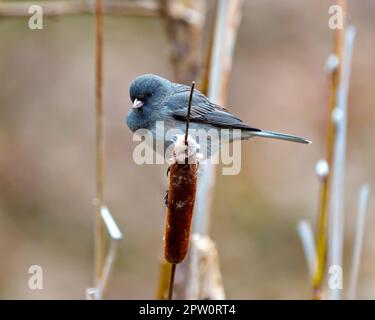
157,99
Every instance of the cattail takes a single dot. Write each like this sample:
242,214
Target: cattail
181,195
181,199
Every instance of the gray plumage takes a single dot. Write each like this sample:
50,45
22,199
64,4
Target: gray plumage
157,99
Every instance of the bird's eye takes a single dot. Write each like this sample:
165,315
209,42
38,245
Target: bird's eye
149,94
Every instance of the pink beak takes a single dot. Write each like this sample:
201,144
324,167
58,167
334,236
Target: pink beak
137,104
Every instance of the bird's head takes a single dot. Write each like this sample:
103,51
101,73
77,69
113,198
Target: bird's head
148,91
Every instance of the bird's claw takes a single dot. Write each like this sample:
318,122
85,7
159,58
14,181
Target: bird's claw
166,198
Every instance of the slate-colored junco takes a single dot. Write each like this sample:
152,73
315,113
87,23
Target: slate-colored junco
157,99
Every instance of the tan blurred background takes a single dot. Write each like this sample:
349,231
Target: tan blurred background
47,155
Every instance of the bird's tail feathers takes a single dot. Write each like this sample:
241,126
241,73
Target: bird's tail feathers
280,136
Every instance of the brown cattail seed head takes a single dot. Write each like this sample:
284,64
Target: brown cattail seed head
181,199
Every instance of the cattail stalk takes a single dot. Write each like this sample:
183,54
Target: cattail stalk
181,199
213,83
185,57
164,280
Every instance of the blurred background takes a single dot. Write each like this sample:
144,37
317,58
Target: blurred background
278,82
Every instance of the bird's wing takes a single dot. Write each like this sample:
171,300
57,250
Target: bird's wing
203,111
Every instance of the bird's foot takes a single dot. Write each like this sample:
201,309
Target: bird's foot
166,198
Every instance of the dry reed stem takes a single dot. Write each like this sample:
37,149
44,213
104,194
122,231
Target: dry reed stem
321,232
110,7
322,224
356,259
307,238
227,23
188,121
99,232
204,272
207,65
171,281
115,235
98,292
164,279
185,39
338,174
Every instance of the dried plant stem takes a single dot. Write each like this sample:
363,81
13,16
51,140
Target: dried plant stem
227,22
110,7
338,174
207,65
362,206
100,231
164,280
307,238
171,281
321,232
185,38
334,69
115,234
188,120
205,280
188,113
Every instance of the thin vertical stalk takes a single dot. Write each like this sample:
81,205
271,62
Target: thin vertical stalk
362,206
205,279
338,175
334,69
335,78
307,238
164,280
171,281
227,22
207,65
99,228
188,115
322,171
185,38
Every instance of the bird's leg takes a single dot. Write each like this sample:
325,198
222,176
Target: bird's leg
166,198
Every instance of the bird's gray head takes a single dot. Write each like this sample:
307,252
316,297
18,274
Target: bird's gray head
148,90
147,93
